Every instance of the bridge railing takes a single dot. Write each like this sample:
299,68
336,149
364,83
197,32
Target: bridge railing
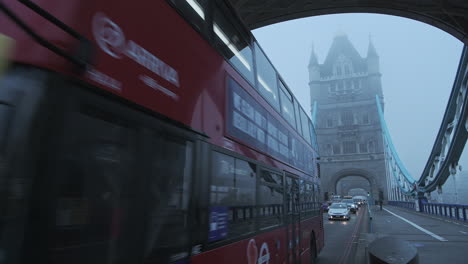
407,205
453,211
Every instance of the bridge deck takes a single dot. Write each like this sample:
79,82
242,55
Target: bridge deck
447,241
438,240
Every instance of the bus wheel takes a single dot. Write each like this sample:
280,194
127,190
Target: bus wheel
313,249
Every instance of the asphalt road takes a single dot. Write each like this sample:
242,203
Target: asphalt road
445,240
341,238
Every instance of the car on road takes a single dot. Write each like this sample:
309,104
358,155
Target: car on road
357,202
352,206
359,199
338,211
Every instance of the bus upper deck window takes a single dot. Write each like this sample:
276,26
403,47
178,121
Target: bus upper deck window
233,45
267,79
194,11
287,107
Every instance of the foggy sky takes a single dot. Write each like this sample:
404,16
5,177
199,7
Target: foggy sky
418,63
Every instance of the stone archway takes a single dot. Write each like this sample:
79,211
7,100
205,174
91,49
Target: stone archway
345,184
352,172
358,192
449,16
375,185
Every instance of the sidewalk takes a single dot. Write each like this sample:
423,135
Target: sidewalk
437,241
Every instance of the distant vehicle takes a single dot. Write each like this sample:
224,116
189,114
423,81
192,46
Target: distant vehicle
325,207
352,206
347,197
335,198
339,211
358,200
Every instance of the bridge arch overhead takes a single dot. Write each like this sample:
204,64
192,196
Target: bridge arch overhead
449,16
348,183
357,192
373,183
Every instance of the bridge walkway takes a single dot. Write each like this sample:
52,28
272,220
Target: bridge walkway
437,240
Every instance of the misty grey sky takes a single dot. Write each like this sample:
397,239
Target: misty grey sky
418,63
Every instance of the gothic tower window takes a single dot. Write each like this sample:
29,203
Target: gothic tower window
363,148
336,149
371,146
343,66
356,84
349,147
347,118
333,87
365,118
329,149
340,86
338,70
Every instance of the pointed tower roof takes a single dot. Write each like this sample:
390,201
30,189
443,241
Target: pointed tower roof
371,52
313,61
342,45
340,33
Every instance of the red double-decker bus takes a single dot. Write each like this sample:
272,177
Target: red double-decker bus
149,132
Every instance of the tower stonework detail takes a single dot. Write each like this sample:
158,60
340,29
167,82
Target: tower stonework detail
343,91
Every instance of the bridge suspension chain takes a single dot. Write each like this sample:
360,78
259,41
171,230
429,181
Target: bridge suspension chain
447,148
397,174
452,135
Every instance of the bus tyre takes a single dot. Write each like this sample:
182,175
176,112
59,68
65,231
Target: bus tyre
313,249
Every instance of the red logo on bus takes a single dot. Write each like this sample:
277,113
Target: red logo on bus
254,257
252,252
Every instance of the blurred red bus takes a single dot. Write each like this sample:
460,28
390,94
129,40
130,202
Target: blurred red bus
180,144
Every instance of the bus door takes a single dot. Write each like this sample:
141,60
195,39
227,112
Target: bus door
293,218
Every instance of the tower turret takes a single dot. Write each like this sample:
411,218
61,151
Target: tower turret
373,63
314,68
314,78
373,69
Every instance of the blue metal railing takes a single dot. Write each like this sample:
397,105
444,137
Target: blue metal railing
407,205
453,211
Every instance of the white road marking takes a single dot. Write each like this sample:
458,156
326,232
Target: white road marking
418,227
463,232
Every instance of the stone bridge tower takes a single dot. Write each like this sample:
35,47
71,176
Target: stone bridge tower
343,91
